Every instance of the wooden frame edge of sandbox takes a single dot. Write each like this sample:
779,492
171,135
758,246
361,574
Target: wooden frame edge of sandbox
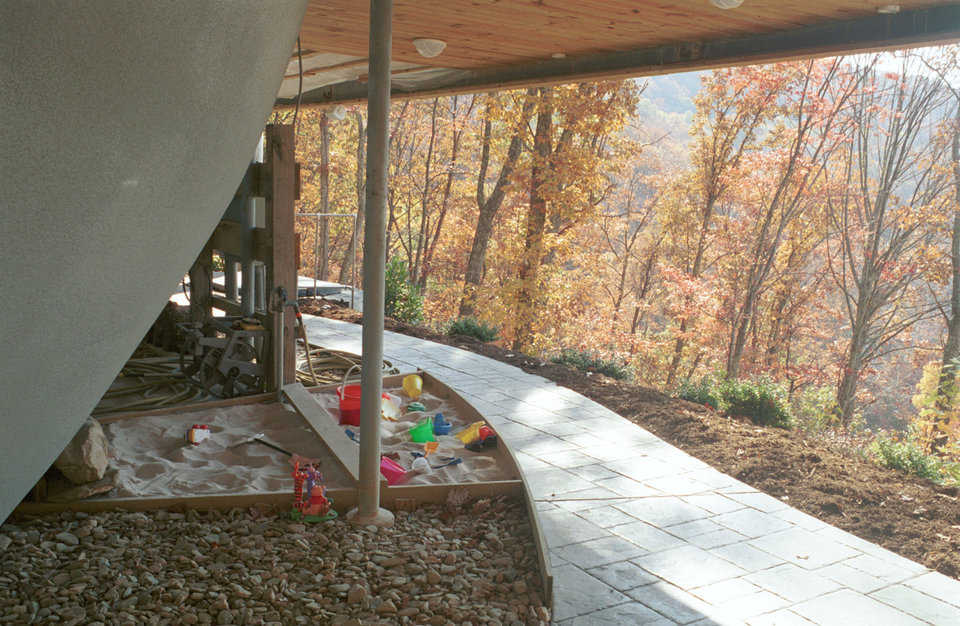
398,497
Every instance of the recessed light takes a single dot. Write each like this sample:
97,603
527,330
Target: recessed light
558,55
726,4
429,48
888,9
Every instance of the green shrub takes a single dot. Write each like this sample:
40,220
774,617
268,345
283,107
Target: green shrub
472,328
762,401
703,392
587,362
813,409
908,457
402,299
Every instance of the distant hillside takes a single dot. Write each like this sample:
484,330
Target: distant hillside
666,108
673,93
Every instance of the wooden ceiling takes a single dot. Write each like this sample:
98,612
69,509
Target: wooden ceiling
498,44
490,33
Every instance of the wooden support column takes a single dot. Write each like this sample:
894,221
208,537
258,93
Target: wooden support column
201,286
278,185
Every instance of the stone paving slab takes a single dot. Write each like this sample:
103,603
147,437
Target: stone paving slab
640,532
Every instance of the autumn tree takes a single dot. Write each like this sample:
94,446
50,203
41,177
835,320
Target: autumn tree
510,111
887,182
731,109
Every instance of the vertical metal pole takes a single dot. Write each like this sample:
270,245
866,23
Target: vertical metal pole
374,260
353,261
247,290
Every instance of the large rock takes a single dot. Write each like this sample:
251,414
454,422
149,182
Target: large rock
85,459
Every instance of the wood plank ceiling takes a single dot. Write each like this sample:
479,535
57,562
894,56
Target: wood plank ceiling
492,33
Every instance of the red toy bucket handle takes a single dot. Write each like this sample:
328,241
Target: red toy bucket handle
341,390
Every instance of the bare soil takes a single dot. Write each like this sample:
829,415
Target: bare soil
910,516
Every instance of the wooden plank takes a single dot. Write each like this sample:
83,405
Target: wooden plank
344,498
230,307
345,451
230,238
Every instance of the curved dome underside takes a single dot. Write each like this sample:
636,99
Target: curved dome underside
127,127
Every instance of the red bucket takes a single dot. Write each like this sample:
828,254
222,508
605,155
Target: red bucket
349,404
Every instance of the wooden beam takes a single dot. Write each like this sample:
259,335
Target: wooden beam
322,423
201,286
344,498
279,187
934,25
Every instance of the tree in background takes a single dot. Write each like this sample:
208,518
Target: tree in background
888,183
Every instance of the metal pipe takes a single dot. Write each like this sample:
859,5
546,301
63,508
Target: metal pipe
374,263
353,262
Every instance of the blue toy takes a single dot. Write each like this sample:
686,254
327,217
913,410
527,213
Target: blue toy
440,425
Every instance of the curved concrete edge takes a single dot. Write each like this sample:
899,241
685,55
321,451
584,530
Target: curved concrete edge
127,127
640,532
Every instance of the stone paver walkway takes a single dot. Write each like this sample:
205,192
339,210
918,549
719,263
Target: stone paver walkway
640,532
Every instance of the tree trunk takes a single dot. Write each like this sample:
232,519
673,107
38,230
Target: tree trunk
324,194
536,221
351,256
489,206
705,218
946,388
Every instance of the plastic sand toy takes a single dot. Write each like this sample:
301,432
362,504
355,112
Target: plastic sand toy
471,433
430,447
388,408
198,433
440,425
422,432
416,406
310,502
413,386
392,471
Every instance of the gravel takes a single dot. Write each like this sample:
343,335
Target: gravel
475,565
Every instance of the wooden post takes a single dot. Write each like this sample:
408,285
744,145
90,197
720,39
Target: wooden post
201,286
278,184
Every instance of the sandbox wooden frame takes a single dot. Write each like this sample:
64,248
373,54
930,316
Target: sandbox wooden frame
398,497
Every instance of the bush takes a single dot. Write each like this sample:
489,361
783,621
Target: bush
402,299
813,409
703,392
762,401
472,328
907,456
587,362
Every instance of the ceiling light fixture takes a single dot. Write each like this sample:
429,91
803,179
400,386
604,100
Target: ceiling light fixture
429,48
888,9
726,4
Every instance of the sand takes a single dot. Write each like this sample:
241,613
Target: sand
153,458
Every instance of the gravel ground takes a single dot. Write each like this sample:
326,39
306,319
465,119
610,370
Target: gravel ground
472,565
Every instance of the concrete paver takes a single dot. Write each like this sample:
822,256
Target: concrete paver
640,532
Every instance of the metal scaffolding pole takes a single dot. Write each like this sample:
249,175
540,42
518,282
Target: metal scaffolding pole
368,509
